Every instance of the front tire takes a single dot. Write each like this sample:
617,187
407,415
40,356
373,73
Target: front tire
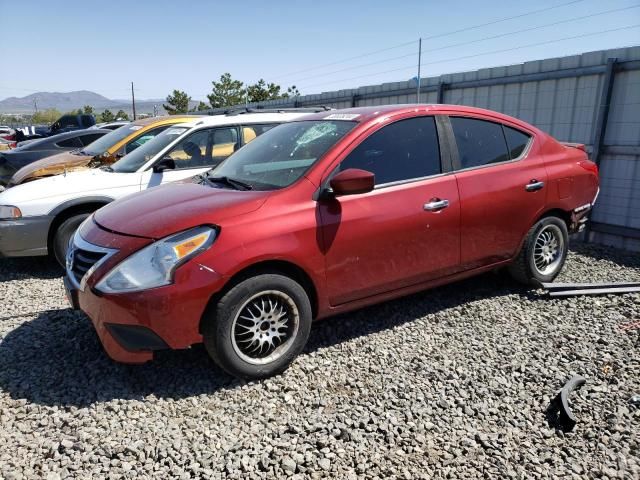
63,234
259,326
543,253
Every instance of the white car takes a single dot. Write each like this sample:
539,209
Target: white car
110,125
39,217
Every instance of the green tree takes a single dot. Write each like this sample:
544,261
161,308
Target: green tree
227,92
177,103
202,106
46,116
78,112
122,115
88,110
107,116
292,91
262,91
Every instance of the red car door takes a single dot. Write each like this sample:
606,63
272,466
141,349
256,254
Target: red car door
502,183
406,230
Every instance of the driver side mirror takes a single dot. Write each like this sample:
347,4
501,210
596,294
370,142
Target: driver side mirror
352,181
167,163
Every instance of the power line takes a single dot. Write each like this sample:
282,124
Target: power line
480,54
515,32
444,34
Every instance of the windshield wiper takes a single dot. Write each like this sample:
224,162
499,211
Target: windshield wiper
232,182
106,168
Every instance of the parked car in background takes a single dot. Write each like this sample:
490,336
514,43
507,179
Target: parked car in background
111,125
7,133
105,151
7,144
320,216
65,123
30,151
40,217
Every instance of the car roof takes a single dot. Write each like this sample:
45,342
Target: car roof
150,120
365,114
235,119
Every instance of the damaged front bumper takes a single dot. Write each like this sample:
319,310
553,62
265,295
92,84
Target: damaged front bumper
133,325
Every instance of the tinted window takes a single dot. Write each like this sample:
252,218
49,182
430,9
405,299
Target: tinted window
87,139
72,142
401,151
516,140
479,142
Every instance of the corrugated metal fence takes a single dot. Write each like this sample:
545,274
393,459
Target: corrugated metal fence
592,98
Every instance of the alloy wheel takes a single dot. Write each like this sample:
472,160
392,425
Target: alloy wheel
548,250
265,327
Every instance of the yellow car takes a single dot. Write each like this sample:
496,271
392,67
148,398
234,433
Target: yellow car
104,151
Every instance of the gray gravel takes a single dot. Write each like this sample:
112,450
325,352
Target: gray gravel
451,383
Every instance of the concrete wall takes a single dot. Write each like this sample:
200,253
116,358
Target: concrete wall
563,96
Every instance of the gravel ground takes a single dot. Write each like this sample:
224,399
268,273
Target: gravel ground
451,383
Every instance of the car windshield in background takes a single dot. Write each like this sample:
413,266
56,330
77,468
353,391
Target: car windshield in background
141,155
109,140
282,155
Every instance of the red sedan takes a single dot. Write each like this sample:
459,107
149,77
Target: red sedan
327,214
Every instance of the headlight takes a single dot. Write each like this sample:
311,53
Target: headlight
153,266
8,212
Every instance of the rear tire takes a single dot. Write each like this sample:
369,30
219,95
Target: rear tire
259,326
63,235
543,253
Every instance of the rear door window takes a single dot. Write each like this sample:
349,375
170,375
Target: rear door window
479,142
90,138
73,142
205,148
517,141
404,150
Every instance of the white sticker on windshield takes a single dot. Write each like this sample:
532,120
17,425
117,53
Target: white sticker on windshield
342,116
175,131
135,127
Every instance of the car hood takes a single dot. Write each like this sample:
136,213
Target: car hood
53,165
88,183
164,210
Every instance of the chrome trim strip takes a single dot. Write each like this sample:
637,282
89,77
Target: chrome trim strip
79,242
596,197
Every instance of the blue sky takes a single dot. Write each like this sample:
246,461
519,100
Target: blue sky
161,45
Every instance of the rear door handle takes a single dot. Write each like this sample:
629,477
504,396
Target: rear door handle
534,185
436,205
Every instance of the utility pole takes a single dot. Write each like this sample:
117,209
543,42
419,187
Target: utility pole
133,101
419,64
35,104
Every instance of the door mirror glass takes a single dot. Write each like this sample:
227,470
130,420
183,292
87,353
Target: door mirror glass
352,181
167,163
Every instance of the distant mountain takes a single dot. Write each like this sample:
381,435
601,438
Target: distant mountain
68,101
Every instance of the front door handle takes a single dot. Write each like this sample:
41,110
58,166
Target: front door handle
436,205
534,185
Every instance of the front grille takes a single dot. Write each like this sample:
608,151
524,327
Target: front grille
83,260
